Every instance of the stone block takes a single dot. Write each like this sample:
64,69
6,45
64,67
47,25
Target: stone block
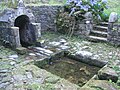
21,50
88,15
99,85
43,51
84,54
88,57
113,17
107,73
12,39
17,41
38,29
14,31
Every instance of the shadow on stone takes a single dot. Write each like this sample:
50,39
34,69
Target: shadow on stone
26,30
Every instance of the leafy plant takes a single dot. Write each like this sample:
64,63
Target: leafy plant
65,23
8,4
78,8
74,12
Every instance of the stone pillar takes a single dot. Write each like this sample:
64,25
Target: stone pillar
15,41
89,27
87,24
113,29
37,30
21,8
113,18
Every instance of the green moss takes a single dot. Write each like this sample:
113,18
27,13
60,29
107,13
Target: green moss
5,66
41,63
49,2
97,88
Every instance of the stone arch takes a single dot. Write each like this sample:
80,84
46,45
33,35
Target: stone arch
21,20
26,30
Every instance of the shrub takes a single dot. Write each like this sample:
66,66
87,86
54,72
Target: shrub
65,23
78,8
7,4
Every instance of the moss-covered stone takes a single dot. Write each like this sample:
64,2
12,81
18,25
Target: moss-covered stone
52,80
21,50
48,81
107,73
100,85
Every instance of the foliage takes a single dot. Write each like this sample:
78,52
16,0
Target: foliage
8,4
78,8
11,4
74,12
113,6
45,2
64,23
2,6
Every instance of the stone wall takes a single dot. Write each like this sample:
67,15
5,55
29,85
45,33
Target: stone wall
9,36
46,15
113,29
84,28
18,27
114,33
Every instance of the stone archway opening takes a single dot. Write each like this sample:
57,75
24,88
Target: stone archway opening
26,30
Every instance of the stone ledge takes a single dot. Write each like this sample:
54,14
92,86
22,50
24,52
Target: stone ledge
107,73
21,50
98,85
88,57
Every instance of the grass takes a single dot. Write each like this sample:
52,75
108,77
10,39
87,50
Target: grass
113,6
2,6
50,2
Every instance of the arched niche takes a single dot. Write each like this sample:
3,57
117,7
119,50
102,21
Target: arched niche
26,30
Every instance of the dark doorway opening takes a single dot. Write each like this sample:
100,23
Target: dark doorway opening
26,30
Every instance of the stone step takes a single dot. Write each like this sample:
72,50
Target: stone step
105,24
100,28
98,33
97,39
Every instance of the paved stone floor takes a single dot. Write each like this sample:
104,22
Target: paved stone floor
17,72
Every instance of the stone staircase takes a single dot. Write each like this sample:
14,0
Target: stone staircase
99,32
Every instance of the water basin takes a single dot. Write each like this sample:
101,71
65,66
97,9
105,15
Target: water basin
74,71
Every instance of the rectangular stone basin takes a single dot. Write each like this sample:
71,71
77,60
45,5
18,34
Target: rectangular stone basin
72,70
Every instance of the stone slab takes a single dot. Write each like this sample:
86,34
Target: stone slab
99,85
107,73
21,50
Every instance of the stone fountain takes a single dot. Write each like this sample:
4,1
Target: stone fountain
18,27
